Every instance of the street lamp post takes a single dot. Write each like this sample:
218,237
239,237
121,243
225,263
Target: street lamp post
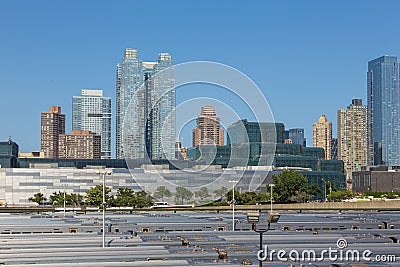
324,191
233,204
103,173
254,218
64,201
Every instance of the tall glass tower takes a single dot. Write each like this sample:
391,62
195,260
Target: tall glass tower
162,113
383,108
145,107
129,78
92,112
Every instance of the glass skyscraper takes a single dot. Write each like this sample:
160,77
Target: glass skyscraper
145,107
383,108
92,112
129,78
162,113
297,136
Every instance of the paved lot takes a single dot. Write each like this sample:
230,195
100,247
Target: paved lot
198,239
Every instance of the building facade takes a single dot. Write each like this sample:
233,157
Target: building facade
353,137
145,107
334,153
297,137
52,125
79,145
383,97
91,111
208,130
322,135
129,78
9,154
161,109
243,131
376,179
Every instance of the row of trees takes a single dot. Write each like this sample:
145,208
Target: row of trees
125,197
288,186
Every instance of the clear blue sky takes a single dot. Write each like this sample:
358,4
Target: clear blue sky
308,57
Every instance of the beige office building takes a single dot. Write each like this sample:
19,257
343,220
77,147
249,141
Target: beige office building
208,130
322,135
353,138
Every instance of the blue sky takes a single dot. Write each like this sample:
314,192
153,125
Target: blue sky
308,57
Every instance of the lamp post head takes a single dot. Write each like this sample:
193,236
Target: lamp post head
273,217
253,217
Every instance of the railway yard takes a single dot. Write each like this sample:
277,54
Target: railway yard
187,238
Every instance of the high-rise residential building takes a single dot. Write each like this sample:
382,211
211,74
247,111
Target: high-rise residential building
297,137
129,78
208,130
322,135
91,111
79,145
162,109
353,137
147,129
383,99
52,125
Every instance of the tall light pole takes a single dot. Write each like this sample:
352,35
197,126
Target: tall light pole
233,204
103,173
324,191
64,185
254,219
271,185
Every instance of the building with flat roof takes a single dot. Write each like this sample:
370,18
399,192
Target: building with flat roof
383,100
353,138
79,145
297,136
145,107
376,179
52,125
9,154
91,111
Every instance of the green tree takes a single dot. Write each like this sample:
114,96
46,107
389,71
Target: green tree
229,196
142,199
288,184
38,198
94,196
202,193
57,198
161,192
313,190
221,192
125,198
248,198
75,199
339,195
182,194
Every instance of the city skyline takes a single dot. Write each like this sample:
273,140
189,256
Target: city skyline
268,36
